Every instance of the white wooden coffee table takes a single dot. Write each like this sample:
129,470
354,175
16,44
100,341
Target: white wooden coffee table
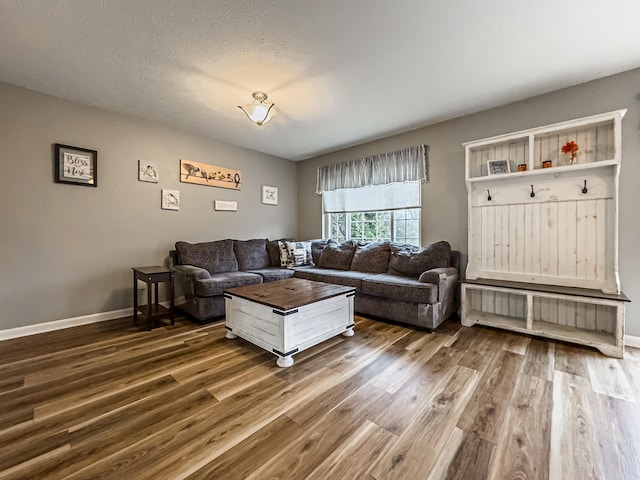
288,316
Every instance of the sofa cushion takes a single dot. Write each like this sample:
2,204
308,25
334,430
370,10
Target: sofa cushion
317,246
309,272
214,257
348,278
337,256
273,274
409,261
298,254
251,254
371,257
219,282
398,287
273,249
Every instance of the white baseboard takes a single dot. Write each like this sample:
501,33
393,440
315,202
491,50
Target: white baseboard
71,322
631,341
64,323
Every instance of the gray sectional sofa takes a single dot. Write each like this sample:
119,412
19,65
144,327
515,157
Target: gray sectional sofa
205,270
403,283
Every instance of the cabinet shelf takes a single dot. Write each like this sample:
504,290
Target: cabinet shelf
603,341
545,172
506,322
590,338
545,329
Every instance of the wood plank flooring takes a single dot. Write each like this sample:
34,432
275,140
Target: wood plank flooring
110,400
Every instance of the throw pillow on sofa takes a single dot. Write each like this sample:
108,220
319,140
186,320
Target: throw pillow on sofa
408,261
295,254
273,249
371,257
337,257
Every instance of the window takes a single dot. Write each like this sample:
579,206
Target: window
376,198
406,226
377,226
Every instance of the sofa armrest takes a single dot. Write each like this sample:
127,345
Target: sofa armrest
186,276
194,273
446,279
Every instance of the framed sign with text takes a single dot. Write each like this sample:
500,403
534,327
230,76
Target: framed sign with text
75,165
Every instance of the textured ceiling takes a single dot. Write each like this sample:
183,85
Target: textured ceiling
341,72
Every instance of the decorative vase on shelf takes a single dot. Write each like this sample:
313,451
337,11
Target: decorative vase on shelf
570,148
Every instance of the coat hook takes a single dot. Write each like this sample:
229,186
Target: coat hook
532,193
584,189
488,195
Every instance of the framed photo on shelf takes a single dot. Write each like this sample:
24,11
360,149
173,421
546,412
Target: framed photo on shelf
269,195
498,167
75,165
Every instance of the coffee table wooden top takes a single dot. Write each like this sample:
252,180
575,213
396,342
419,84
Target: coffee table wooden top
289,294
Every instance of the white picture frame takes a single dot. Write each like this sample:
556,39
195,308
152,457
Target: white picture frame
498,167
269,195
225,205
148,171
170,199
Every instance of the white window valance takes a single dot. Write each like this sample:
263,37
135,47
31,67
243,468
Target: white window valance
376,197
407,165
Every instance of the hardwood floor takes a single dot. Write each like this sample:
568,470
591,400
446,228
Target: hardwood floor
110,400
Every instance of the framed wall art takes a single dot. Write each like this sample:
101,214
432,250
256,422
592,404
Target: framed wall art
75,165
269,195
210,175
148,171
498,167
225,205
170,199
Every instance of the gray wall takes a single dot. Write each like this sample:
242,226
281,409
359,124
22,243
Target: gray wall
67,250
444,211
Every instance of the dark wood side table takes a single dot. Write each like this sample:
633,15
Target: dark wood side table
153,310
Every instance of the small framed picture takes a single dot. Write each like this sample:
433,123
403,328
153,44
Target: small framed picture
75,165
225,205
170,199
269,195
148,171
498,167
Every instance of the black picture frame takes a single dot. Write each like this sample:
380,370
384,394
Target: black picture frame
75,165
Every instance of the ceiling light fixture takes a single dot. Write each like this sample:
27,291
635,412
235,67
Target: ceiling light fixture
259,111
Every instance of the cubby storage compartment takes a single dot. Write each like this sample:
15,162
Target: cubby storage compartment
573,313
596,143
497,305
514,150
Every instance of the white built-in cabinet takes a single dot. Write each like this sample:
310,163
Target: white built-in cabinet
543,242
